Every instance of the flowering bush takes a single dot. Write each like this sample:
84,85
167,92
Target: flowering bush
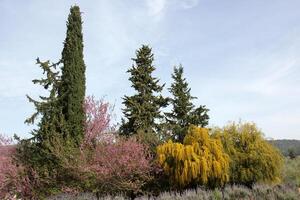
15,181
6,165
253,159
98,121
199,160
121,167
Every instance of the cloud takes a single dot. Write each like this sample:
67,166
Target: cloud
273,80
237,72
156,7
187,4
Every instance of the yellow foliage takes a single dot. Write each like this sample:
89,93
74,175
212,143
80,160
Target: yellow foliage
199,160
253,159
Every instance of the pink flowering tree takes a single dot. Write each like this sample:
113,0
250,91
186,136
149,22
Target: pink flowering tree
98,121
117,165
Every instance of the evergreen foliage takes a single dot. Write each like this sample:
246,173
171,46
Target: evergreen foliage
74,149
143,109
184,113
253,159
72,89
50,145
51,120
53,147
199,160
292,154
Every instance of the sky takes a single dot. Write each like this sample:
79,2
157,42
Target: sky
241,58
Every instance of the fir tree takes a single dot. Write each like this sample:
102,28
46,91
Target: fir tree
183,112
48,107
50,151
35,152
142,109
72,89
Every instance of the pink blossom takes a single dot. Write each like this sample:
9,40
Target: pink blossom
98,119
7,168
125,164
123,158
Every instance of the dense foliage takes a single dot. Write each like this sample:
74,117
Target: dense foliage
50,145
120,167
183,112
98,126
72,88
199,160
253,159
291,171
75,148
143,108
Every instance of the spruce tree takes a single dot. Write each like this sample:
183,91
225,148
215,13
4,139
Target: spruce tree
72,89
142,110
183,112
36,152
50,151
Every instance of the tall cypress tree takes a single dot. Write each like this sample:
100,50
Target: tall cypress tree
183,112
142,109
72,90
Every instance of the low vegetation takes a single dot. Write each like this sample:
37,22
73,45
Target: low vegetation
258,192
76,152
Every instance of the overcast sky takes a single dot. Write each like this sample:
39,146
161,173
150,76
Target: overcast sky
241,58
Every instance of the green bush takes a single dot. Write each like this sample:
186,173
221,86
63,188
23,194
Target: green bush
291,171
253,159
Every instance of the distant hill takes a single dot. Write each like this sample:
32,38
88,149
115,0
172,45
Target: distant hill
285,145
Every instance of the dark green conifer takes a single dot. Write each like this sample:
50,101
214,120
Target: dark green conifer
36,152
183,112
142,110
50,150
72,89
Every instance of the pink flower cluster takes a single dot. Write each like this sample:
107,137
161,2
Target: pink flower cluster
98,119
118,164
123,158
7,168
124,165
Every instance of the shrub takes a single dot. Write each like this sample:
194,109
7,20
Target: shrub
6,165
53,165
280,192
199,160
149,138
14,182
259,192
121,167
253,159
291,153
291,171
237,192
